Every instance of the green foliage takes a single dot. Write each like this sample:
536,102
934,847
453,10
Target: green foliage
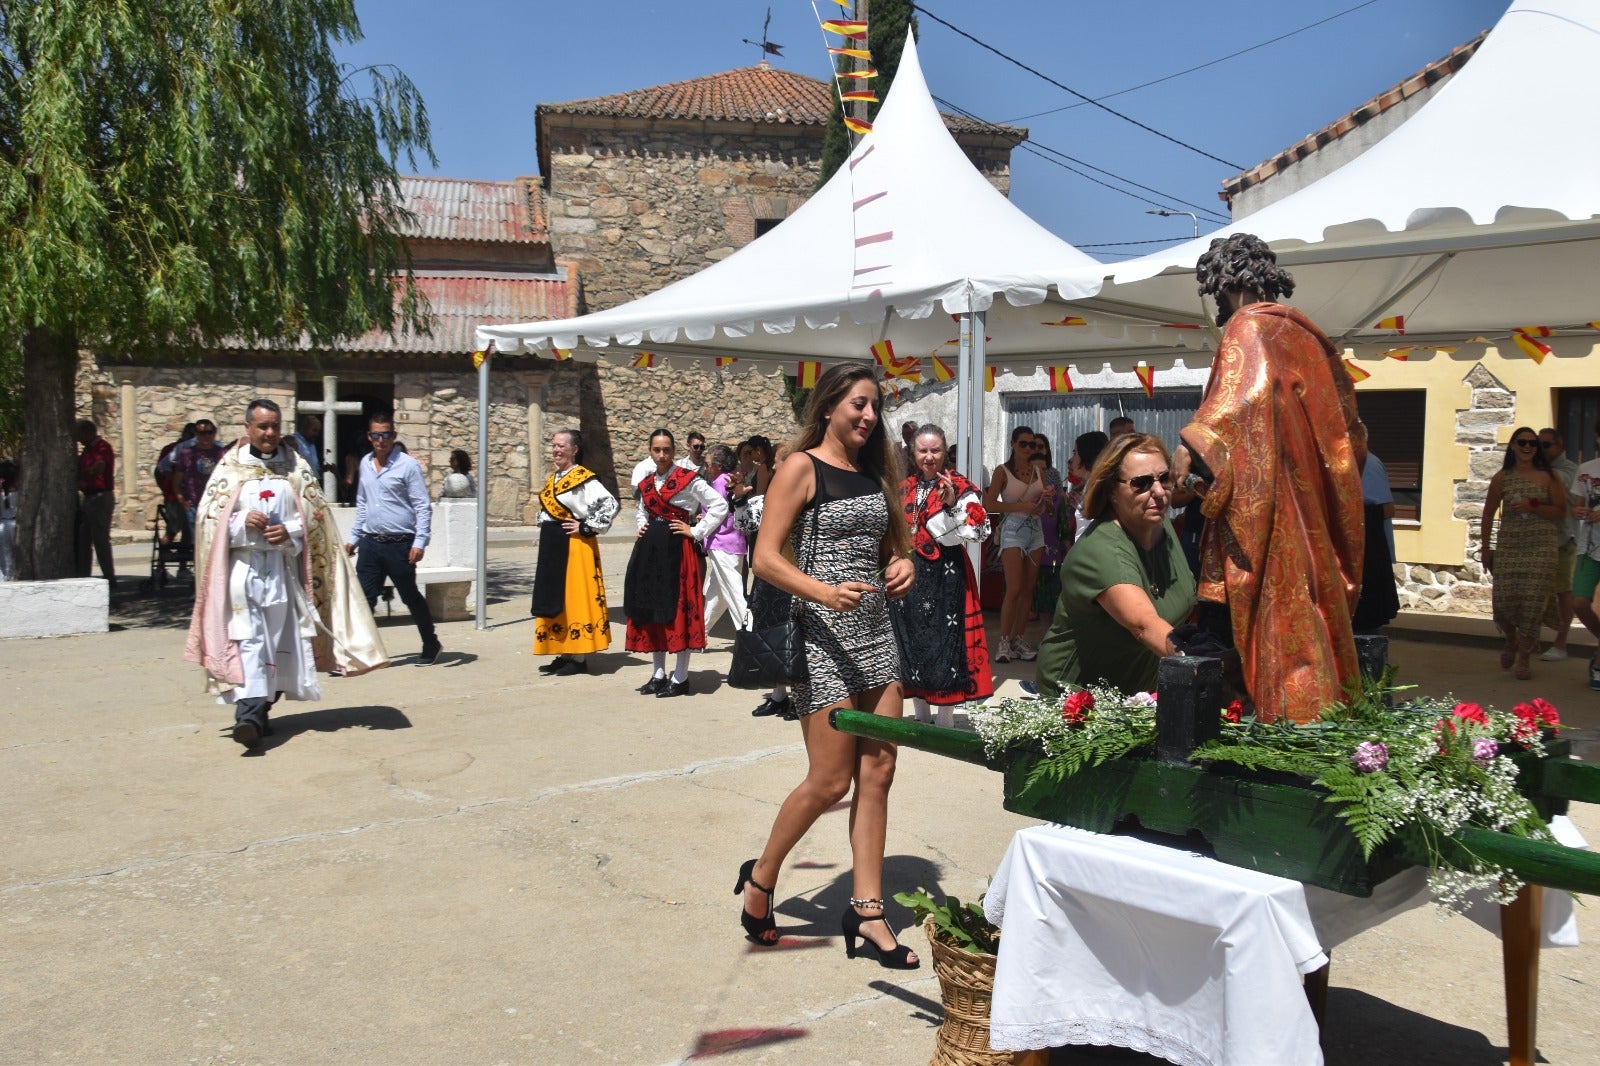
174,172
11,402
961,925
888,23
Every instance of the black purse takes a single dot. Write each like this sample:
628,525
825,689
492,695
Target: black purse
773,650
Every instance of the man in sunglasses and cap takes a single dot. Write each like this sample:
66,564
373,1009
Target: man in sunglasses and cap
392,526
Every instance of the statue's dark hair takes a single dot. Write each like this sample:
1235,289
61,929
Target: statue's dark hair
1241,261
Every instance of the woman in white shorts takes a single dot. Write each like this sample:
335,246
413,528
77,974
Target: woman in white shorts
1016,494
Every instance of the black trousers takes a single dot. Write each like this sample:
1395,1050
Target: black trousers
375,562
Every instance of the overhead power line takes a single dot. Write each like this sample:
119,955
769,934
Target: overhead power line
1201,66
1067,88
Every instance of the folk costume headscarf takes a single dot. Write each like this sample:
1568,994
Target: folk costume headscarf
1284,535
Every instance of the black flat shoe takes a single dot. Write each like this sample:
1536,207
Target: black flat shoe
429,654
247,733
850,923
653,686
770,706
756,929
555,664
674,688
570,667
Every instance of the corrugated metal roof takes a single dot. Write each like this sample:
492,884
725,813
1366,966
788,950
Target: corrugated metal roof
461,210
459,304
749,94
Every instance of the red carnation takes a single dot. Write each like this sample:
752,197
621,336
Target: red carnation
1471,712
1233,712
266,494
1076,707
1546,712
976,515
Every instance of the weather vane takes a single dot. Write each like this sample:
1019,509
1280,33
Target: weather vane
766,46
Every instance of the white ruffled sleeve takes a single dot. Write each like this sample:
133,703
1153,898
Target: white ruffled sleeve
952,526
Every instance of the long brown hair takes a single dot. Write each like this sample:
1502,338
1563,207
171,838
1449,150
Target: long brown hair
876,457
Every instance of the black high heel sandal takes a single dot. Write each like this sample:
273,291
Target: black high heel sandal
755,929
850,923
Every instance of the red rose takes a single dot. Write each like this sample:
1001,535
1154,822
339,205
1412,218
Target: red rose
1546,712
1076,707
976,515
1233,711
1471,712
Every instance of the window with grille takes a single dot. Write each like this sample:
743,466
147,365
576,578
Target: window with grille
1395,433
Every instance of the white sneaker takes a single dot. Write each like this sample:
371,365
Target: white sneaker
1553,654
1023,650
1002,654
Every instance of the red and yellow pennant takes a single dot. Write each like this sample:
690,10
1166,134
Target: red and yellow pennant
988,379
644,360
478,358
861,96
1594,325
1355,372
854,29
1060,379
1147,378
561,354
941,369
1394,322
848,5
858,75
1181,325
1069,320
855,125
1523,338
853,53
727,360
807,371
1402,353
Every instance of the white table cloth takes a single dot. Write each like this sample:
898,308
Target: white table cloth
1134,942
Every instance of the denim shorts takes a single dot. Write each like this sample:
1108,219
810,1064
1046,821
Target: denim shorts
1022,531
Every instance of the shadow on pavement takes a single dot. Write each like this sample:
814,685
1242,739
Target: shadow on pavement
286,727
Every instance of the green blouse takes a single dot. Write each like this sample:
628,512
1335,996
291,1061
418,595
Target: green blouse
1085,645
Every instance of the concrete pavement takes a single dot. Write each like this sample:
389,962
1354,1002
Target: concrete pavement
472,863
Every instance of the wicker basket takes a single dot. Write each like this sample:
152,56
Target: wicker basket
966,981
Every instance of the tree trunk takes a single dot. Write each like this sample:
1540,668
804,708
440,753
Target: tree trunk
47,509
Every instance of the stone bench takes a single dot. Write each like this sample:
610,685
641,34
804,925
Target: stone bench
54,608
448,571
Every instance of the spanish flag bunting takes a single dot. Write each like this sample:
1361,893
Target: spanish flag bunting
988,379
1594,325
1181,325
1355,372
1395,322
883,352
1401,354
727,360
1147,378
1534,331
478,358
1480,339
1060,379
1069,320
858,75
893,390
1523,339
854,29
853,53
846,4
855,125
941,369
861,96
807,373
561,354
644,359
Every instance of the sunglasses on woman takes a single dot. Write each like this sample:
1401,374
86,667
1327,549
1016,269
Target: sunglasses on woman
1144,482
1526,442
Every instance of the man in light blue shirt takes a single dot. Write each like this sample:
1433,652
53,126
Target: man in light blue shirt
392,526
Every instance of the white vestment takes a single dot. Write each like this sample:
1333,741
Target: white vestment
268,613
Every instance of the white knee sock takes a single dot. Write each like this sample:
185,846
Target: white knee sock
919,709
680,669
661,664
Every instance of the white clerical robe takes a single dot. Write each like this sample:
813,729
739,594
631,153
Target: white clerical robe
268,613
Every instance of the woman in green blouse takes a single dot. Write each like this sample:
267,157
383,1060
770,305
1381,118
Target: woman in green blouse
1125,584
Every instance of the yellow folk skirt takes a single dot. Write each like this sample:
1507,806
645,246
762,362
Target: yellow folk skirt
584,625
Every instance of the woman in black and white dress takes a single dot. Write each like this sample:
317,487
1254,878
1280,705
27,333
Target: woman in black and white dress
835,500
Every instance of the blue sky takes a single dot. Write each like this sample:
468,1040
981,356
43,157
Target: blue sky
483,65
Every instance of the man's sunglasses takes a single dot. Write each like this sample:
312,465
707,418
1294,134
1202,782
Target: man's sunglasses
381,436
1143,483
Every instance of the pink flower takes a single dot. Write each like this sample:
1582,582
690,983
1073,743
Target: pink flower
1370,756
1143,699
1076,707
1471,712
1233,711
1484,749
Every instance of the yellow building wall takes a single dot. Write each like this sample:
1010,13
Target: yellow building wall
1439,537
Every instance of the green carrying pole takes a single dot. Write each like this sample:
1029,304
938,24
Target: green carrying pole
951,743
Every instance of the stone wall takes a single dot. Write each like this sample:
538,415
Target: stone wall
1466,589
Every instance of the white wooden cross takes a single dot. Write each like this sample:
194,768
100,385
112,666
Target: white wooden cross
330,409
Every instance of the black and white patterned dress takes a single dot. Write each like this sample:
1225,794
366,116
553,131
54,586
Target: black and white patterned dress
839,538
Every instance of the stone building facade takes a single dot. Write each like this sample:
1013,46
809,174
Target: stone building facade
638,190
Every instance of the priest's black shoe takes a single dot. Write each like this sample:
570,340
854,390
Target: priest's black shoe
247,733
555,664
674,688
652,687
430,654
570,667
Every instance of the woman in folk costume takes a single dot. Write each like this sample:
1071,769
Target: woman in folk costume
939,623
725,550
275,595
569,591
662,594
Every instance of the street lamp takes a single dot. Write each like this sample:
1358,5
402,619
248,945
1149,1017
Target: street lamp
1164,213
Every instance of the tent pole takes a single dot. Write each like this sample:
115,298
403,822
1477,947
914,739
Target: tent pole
970,377
483,489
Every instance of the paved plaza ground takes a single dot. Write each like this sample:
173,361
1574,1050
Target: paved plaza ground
471,863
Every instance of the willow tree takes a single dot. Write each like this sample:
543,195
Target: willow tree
180,174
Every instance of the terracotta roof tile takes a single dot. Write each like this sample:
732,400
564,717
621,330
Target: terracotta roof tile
461,210
1422,79
459,304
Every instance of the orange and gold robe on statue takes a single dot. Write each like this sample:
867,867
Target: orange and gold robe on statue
1284,535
